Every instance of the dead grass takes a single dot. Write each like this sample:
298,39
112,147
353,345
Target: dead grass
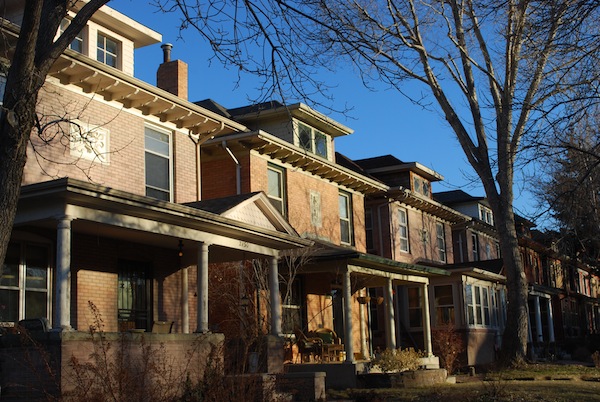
540,383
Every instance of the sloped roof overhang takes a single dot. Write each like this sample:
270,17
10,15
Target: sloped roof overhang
94,77
428,205
276,148
85,201
301,112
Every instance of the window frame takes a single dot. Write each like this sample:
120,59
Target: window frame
475,247
404,240
22,288
439,308
169,158
343,195
412,307
104,50
282,186
78,39
440,233
309,139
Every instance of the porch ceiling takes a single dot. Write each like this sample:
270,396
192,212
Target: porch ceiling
117,214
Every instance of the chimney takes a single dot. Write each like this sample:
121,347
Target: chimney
172,75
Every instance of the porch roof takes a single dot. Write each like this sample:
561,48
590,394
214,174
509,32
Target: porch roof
106,211
359,262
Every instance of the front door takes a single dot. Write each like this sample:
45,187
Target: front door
134,295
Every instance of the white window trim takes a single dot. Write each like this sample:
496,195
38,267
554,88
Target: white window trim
117,55
282,187
348,198
313,139
441,238
403,211
171,173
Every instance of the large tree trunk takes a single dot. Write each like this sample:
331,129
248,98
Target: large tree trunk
514,340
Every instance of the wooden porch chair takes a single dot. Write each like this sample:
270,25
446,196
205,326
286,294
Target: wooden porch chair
308,346
332,344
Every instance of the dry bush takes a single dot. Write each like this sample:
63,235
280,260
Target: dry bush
449,345
394,360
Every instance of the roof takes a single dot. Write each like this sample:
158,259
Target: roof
214,106
221,205
493,266
455,197
387,164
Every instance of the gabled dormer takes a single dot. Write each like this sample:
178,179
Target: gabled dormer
475,207
109,36
297,124
395,173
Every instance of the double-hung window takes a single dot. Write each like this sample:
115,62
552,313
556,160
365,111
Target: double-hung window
158,164
25,283
77,43
441,241
403,229
444,304
475,246
415,307
345,205
276,187
107,50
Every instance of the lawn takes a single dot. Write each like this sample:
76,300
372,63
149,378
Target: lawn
540,383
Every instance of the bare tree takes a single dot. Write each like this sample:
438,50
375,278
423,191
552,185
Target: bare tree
498,72
35,51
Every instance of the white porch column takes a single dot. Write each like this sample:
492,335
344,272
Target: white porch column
274,297
185,301
202,283
426,321
348,340
529,332
551,338
62,304
362,318
390,312
538,319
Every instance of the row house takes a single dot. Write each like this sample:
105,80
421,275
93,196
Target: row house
110,211
290,156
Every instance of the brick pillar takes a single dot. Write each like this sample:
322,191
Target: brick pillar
172,75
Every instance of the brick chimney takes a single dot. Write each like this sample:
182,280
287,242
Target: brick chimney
172,75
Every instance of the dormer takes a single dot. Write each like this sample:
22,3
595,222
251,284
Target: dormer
395,173
475,207
297,124
109,36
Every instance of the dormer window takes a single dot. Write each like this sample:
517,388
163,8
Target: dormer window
77,43
486,215
312,140
107,52
421,186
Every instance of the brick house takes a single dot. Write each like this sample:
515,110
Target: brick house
110,209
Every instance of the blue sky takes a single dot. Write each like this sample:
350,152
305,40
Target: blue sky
384,122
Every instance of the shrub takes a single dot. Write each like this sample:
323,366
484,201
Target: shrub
449,345
391,360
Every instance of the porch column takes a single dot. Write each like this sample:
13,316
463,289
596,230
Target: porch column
202,283
538,319
185,301
362,317
529,332
426,321
551,338
62,304
390,323
348,340
274,297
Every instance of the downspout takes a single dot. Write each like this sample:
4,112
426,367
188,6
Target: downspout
238,168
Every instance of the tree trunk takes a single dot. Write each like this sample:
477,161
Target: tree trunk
514,340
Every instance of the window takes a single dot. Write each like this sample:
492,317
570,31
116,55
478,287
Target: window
441,241
107,50
486,306
403,229
312,140
475,246
345,217
276,188
498,252
24,283
291,305
415,309
2,87
485,214
421,186
158,164
77,43
444,304
369,228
